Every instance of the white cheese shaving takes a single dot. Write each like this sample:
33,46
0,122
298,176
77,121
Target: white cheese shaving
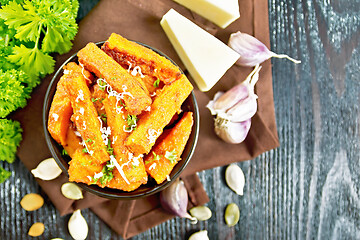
77,118
77,134
81,111
120,169
84,125
80,96
129,69
152,166
83,143
98,175
114,139
55,116
148,109
66,71
82,71
153,94
105,132
89,177
137,70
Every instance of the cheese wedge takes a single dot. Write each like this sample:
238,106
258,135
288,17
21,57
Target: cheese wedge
205,57
220,12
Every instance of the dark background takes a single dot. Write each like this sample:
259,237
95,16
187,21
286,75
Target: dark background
308,188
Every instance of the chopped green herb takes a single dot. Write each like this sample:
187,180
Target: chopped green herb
156,157
113,78
102,84
64,152
157,82
88,140
107,175
131,122
103,117
171,156
84,150
134,166
94,99
109,149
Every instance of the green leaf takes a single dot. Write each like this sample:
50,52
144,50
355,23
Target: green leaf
14,91
10,138
32,61
131,122
4,175
54,41
157,82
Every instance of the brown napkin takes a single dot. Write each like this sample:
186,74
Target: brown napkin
139,20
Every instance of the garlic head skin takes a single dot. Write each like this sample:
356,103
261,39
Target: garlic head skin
232,132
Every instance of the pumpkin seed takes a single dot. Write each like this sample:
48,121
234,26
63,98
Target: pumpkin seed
77,225
71,191
202,213
47,170
36,229
200,235
232,214
31,202
235,178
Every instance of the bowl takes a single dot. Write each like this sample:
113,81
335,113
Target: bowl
144,190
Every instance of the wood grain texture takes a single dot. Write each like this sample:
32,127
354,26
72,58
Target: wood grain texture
308,188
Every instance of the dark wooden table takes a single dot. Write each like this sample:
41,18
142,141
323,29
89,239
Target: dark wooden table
308,188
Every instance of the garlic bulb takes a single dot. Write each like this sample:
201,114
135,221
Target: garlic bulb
47,170
251,50
232,132
235,108
77,225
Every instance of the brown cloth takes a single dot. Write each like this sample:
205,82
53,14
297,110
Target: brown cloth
139,20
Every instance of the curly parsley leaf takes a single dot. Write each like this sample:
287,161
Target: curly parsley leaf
107,175
4,175
131,121
10,138
14,91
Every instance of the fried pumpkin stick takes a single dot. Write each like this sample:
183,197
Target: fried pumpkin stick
134,93
151,124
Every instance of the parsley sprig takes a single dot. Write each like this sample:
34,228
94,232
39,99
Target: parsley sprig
131,121
171,156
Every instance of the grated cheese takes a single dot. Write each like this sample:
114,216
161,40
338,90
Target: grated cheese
84,125
152,166
80,96
82,71
55,116
137,70
114,139
98,175
119,168
81,111
89,178
66,71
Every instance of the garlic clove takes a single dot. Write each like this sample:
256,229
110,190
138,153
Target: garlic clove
77,225
251,50
202,213
211,103
200,235
47,170
231,97
174,199
232,132
235,178
71,191
243,110
232,214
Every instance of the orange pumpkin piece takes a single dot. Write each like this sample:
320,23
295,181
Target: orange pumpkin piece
167,151
73,142
131,54
86,118
130,173
61,110
151,124
135,94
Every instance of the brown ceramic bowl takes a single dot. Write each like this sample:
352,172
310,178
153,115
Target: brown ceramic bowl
151,187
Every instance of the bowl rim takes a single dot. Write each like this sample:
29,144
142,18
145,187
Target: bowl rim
94,188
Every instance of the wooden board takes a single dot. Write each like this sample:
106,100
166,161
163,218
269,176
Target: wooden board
308,188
